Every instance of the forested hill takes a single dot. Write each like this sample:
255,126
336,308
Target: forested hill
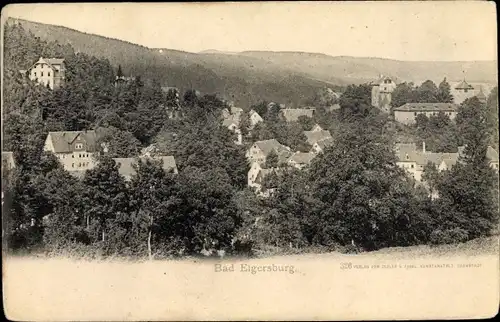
252,76
206,73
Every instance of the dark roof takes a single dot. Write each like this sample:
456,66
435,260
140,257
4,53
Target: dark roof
464,85
432,107
62,141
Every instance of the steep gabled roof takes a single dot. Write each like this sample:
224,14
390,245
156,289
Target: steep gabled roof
316,136
491,154
267,146
302,158
323,144
62,141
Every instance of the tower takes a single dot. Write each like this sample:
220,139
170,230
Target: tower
382,93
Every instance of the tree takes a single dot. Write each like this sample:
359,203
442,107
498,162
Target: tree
444,92
272,160
427,92
122,144
206,216
119,73
105,195
366,199
244,123
150,191
492,108
402,94
355,102
469,192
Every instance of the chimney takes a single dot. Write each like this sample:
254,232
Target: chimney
423,146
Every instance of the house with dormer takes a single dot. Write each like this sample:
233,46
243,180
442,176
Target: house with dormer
76,150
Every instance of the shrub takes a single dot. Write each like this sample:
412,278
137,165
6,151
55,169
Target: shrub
449,236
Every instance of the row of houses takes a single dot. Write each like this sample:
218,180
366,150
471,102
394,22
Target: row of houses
414,160
77,152
258,153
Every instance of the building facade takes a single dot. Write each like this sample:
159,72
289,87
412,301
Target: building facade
382,93
49,72
76,150
407,113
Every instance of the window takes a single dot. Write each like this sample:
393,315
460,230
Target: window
87,155
78,146
34,74
48,74
415,113
412,166
407,157
73,156
41,74
72,165
466,90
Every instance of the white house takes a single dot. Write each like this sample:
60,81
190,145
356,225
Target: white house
255,118
74,149
259,151
48,72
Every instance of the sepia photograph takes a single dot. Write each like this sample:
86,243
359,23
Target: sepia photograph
310,160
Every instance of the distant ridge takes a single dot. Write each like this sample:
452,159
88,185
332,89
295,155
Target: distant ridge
247,77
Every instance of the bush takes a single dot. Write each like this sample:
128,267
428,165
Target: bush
449,236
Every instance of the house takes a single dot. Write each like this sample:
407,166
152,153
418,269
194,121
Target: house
408,112
126,165
333,107
236,110
259,151
122,80
256,176
320,146
76,150
414,161
226,113
293,114
232,123
316,136
382,93
300,160
255,118
463,91
8,162
316,128
492,156
149,151
49,72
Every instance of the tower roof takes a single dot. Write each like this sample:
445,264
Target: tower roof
464,85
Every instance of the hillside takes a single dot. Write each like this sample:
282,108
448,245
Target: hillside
363,69
252,76
239,80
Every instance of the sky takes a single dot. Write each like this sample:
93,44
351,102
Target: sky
416,31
